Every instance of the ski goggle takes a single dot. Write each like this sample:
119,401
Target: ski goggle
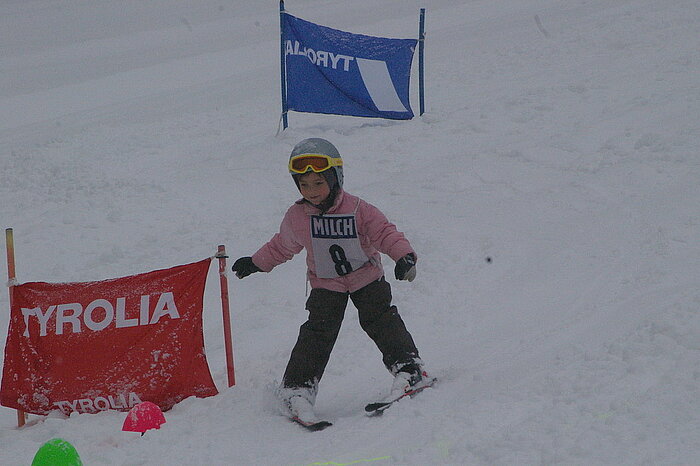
316,162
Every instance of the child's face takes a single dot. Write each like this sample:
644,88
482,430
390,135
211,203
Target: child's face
314,188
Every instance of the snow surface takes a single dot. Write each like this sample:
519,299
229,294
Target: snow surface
561,140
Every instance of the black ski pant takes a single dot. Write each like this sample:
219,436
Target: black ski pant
378,318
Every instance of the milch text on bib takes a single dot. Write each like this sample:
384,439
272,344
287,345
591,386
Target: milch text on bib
336,245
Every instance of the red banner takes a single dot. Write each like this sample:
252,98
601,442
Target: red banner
93,346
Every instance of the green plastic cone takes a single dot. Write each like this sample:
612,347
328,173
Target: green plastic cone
57,452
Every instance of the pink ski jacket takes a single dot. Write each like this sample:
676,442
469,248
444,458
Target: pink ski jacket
377,235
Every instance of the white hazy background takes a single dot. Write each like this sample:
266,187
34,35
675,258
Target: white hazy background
560,139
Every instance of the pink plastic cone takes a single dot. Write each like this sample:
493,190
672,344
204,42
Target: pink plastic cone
142,417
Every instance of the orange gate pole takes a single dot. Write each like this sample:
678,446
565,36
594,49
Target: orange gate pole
10,246
223,280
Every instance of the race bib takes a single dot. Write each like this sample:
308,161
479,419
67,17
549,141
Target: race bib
336,245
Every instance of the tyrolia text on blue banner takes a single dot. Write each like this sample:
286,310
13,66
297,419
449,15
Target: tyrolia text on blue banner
336,72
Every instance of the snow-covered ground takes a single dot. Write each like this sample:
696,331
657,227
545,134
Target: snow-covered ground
561,140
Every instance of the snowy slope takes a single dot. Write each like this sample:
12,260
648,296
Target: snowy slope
560,140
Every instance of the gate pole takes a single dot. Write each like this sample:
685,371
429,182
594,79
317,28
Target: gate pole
223,280
11,279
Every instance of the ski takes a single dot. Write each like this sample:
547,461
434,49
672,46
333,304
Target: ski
377,408
301,411
313,426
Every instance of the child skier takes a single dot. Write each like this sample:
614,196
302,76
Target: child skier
343,236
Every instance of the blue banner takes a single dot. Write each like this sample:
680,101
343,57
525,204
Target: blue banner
336,72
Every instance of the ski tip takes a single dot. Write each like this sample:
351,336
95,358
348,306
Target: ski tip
312,426
319,426
375,409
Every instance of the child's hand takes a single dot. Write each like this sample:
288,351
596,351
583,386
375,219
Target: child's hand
244,267
406,267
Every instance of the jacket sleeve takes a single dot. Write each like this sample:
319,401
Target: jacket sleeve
281,247
383,234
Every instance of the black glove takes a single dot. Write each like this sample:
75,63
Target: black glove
244,267
406,267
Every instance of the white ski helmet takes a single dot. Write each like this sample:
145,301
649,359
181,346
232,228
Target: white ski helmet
319,146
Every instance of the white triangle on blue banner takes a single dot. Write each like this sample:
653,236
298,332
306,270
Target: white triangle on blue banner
375,75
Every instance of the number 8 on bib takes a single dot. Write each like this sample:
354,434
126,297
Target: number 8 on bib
336,245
